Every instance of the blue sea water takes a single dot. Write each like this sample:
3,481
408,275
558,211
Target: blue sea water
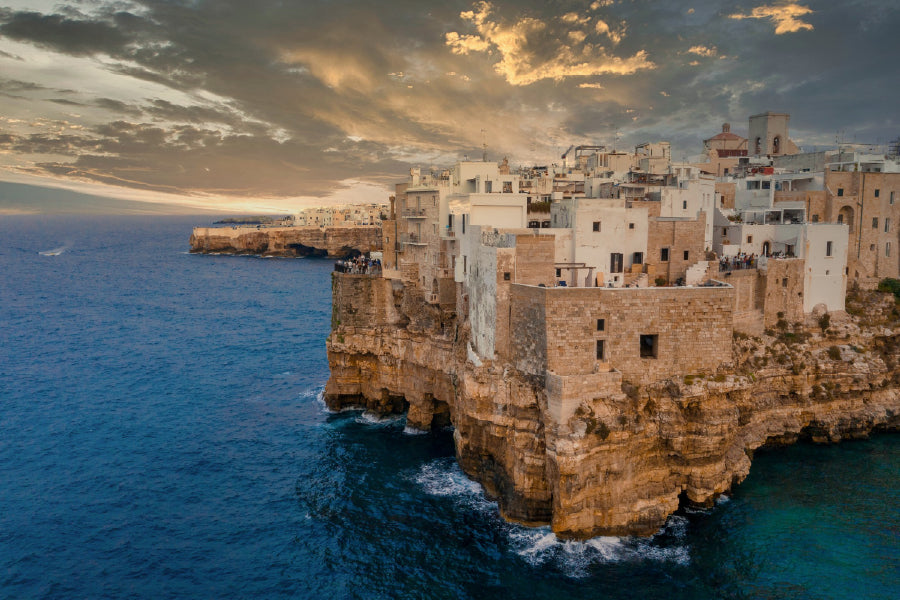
162,435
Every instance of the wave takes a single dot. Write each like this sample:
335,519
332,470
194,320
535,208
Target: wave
539,546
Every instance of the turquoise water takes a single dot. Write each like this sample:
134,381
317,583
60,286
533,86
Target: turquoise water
162,436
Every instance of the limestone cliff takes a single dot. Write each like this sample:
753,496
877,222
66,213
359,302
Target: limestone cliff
628,458
335,242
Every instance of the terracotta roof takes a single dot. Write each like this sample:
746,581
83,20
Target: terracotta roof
726,135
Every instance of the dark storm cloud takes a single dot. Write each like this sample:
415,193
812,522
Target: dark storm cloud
289,98
70,36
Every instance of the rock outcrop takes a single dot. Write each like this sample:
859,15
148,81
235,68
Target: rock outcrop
633,454
335,242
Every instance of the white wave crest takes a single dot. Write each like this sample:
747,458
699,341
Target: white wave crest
443,477
369,417
540,546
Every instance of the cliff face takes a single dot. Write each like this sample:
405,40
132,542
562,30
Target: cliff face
335,242
629,457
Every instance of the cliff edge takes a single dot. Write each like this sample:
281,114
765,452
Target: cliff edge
628,453
334,242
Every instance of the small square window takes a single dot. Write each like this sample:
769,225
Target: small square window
815,218
840,191
601,350
596,225
559,272
506,276
686,254
649,346
749,239
601,324
631,226
871,247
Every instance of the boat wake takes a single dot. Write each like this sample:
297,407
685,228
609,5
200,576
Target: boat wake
54,252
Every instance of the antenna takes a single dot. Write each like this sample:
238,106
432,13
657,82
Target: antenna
483,146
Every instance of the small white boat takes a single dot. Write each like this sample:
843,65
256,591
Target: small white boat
54,252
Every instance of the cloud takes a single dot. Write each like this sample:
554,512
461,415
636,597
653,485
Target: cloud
703,50
76,37
531,49
787,17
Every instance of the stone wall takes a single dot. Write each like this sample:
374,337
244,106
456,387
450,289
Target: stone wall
679,236
692,329
335,242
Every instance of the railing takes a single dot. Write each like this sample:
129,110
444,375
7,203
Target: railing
412,238
413,213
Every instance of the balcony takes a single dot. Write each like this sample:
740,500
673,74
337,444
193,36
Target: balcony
413,213
412,239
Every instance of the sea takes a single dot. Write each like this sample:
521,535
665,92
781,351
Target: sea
163,435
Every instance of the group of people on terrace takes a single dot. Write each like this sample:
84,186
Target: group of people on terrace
359,265
738,261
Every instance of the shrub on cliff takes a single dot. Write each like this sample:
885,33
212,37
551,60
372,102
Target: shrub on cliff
889,284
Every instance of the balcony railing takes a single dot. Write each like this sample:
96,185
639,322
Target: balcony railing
413,213
412,239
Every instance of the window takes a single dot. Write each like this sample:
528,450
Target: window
464,223
815,218
871,247
615,262
874,222
887,225
601,354
450,221
766,185
488,187
892,198
649,346
877,192
828,248
684,204
601,324
506,276
686,254
464,264
637,258
559,273
724,231
631,226
784,282
840,191
840,219
887,249
664,255
749,239
596,225
434,200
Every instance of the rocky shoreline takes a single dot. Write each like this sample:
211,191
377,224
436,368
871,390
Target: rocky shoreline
632,455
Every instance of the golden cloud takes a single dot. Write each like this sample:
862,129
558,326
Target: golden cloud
520,63
703,50
787,17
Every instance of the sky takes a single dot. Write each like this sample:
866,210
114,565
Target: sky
274,105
